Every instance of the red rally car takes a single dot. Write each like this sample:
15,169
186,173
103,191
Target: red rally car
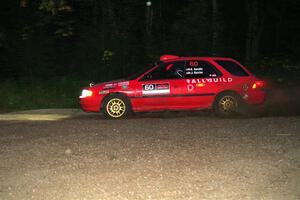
178,83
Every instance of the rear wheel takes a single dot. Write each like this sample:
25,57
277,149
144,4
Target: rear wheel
227,105
116,106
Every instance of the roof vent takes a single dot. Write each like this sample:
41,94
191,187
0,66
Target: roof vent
168,57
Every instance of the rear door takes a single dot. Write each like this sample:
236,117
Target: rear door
203,81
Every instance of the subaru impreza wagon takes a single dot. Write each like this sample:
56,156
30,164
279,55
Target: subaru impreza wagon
178,83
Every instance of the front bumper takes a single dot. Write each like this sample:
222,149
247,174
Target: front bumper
90,104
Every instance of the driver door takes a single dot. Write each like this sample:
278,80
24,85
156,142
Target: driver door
161,88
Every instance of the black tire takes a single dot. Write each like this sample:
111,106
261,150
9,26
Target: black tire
227,104
116,106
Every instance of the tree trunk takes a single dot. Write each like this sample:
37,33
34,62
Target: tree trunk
23,3
215,27
149,19
95,14
254,32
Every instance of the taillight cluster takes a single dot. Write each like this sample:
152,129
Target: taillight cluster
258,85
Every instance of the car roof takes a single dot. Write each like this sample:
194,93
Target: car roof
165,58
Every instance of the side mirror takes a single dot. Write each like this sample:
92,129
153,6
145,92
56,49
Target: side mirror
91,84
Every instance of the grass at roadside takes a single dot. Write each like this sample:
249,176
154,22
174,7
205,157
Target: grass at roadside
24,94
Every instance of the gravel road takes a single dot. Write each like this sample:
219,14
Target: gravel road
149,156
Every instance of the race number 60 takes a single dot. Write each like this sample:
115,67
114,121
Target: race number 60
194,63
149,87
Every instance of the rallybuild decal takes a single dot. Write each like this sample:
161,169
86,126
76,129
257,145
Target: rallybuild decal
201,82
156,89
209,80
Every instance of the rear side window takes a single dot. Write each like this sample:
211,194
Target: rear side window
232,67
200,69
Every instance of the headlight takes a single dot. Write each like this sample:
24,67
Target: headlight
86,93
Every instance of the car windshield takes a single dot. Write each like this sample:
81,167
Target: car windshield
136,75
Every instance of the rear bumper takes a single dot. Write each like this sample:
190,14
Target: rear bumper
255,97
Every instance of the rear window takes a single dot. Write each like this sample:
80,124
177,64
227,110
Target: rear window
232,67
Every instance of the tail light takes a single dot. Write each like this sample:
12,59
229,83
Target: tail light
258,85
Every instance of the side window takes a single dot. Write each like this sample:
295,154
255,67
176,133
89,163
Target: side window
232,67
200,69
170,70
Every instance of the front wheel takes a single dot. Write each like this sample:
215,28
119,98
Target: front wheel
115,106
227,105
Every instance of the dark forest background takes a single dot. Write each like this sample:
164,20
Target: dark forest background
49,49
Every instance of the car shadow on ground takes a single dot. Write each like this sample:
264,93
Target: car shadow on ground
161,115
267,110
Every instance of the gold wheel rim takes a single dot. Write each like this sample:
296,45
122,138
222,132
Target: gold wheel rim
228,104
115,107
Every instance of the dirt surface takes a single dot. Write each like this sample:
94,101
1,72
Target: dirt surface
66,154
149,156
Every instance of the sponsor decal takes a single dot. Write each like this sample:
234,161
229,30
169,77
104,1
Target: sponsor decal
110,86
190,87
245,87
114,85
200,84
246,96
123,83
124,87
209,80
156,89
104,92
162,86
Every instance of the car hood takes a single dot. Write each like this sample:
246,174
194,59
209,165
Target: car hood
110,82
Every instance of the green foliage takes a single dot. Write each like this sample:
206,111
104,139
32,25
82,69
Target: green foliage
278,66
54,6
25,94
279,70
64,28
107,55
